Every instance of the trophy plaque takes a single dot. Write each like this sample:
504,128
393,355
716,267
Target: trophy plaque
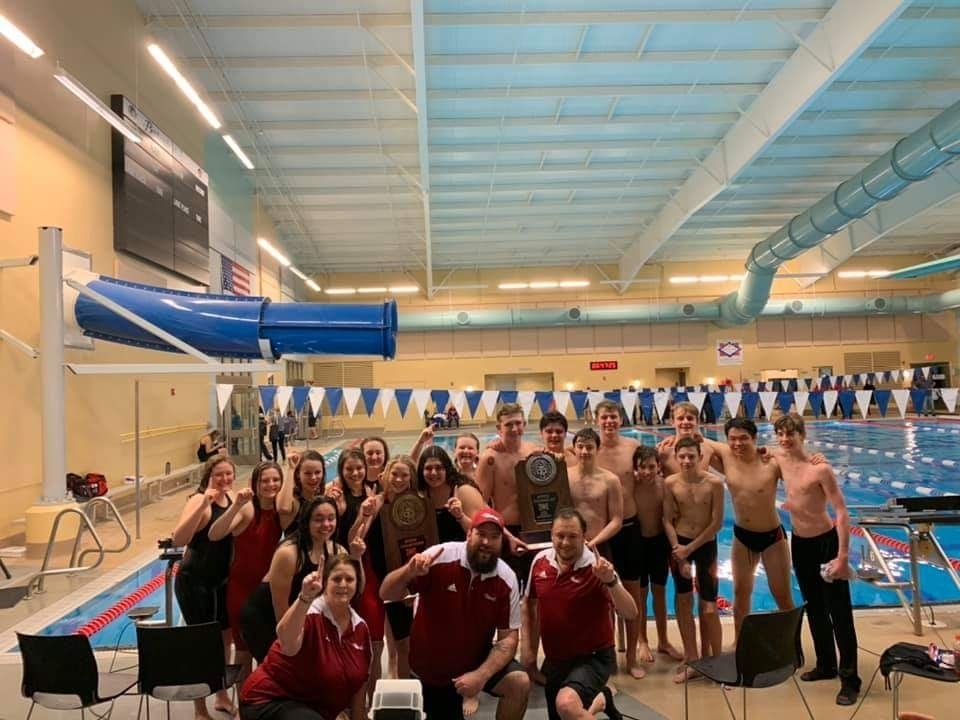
409,527
542,489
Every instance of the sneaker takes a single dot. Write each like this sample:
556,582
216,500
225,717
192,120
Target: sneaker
818,674
847,696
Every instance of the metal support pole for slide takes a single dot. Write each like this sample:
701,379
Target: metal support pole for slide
136,449
52,417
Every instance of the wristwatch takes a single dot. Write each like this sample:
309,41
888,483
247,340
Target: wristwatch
616,579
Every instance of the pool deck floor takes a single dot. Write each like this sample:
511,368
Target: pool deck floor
877,630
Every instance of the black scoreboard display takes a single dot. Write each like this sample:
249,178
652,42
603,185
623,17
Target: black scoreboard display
159,199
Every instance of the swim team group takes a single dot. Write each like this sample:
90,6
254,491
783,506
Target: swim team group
295,569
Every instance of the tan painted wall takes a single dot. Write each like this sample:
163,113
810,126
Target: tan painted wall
461,359
63,178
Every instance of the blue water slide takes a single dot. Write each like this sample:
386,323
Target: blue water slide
237,327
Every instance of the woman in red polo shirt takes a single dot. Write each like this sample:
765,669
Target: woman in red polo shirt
318,667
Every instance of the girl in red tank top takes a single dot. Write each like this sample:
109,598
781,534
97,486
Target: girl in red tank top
256,525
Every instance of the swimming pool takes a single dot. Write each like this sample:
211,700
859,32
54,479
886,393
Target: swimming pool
873,461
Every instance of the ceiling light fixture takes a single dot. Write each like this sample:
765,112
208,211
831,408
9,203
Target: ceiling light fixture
574,283
228,139
544,284
857,274
273,252
513,286
312,285
96,104
19,38
399,289
185,87
340,291
371,290
684,280
296,271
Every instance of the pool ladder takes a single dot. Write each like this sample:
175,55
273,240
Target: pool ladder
84,513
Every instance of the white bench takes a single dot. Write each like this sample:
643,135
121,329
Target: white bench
154,487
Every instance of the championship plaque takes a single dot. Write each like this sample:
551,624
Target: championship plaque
409,527
542,489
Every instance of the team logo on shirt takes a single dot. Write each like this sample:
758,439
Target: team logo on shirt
541,469
452,587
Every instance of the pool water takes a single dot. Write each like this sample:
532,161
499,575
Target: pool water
873,461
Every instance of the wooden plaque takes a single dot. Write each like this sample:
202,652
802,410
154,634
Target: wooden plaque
542,489
409,527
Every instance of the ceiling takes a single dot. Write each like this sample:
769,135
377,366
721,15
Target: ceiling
440,135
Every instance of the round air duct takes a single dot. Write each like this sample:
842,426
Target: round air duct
463,318
877,304
796,306
574,313
689,310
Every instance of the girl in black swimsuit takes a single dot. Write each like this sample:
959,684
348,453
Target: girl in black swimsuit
454,498
201,583
296,557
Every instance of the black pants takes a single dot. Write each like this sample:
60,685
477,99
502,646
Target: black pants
278,443
829,610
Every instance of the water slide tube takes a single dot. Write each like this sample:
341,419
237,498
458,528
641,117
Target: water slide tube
225,326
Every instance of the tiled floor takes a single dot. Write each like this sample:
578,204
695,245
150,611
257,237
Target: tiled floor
876,629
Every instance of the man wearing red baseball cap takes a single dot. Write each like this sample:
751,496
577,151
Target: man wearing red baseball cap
467,594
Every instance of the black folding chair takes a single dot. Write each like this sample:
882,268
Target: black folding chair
182,663
60,673
768,653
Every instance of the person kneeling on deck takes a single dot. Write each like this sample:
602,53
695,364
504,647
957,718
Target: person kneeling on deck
569,597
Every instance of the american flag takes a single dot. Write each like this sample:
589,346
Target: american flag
235,278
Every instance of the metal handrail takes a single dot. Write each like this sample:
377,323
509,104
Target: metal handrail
85,524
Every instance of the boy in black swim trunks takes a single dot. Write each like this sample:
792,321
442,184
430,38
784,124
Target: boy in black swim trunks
692,517
650,560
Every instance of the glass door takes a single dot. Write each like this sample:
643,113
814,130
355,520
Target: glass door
241,425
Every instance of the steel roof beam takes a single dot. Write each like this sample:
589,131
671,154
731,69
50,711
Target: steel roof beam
418,34
266,62
846,30
556,91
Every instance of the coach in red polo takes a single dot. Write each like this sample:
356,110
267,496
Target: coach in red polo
568,604
467,595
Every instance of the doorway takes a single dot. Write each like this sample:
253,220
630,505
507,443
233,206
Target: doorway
671,377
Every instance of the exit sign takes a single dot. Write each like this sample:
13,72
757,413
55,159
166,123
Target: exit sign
603,364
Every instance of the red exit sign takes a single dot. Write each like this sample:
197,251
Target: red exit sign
603,364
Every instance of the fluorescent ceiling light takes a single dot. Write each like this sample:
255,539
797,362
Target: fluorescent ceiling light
684,280
513,286
312,285
238,152
273,252
397,289
713,278
853,274
340,291
544,284
185,87
574,283
296,271
96,104
19,38
371,290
